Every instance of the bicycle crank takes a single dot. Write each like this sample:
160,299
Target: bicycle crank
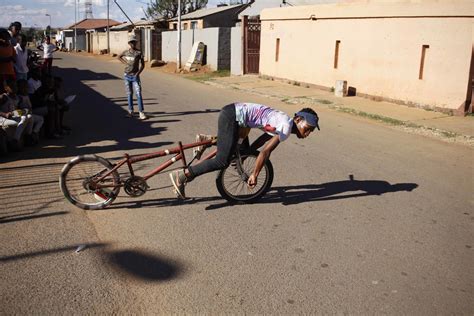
135,186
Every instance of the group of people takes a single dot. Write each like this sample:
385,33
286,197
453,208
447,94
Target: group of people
31,98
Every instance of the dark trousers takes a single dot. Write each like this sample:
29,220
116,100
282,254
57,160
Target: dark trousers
227,137
47,64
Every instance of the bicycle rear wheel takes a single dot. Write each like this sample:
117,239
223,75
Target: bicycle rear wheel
233,187
77,185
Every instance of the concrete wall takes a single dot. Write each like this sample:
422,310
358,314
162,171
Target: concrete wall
118,42
236,51
217,41
380,49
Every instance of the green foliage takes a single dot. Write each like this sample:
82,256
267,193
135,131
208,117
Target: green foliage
169,8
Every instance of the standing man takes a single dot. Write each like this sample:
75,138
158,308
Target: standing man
48,50
21,65
135,63
14,29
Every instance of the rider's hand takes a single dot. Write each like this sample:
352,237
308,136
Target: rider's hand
252,181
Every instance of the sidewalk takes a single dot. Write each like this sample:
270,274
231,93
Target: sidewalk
440,125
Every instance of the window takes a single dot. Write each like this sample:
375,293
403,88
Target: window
194,25
277,51
185,26
422,61
175,26
336,54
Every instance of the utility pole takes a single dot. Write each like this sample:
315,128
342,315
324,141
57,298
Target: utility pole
178,61
108,27
75,25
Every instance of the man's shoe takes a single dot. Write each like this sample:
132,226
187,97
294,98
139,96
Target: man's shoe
142,116
178,179
130,114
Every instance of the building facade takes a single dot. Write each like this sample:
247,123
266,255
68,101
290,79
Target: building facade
412,53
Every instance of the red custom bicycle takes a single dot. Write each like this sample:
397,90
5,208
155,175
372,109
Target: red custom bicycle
91,182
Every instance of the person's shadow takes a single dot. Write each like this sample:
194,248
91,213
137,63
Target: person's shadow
333,191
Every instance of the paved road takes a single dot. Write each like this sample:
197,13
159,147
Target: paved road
396,239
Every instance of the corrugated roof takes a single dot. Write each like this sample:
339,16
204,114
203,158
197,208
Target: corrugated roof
199,14
88,24
127,25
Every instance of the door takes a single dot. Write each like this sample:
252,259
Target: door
251,45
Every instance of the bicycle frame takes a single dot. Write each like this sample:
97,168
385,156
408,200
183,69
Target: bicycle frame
178,153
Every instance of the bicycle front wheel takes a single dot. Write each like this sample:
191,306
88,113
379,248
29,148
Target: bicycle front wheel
79,186
232,185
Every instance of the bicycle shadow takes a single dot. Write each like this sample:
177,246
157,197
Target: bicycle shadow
346,189
291,195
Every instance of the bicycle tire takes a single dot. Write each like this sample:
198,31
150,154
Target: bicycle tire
70,182
264,180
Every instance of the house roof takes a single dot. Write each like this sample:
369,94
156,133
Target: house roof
199,14
88,24
128,25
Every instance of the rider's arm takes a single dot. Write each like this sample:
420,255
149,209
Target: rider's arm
259,142
262,157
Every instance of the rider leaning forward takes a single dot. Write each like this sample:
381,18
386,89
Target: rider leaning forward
277,126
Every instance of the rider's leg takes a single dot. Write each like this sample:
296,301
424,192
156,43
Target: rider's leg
227,136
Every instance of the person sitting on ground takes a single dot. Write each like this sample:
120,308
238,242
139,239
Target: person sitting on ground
9,117
237,116
48,94
36,121
21,65
7,58
135,63
62,104
48,50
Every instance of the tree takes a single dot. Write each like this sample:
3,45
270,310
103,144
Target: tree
168,9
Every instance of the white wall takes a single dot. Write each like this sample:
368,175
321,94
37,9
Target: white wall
210,38
236,51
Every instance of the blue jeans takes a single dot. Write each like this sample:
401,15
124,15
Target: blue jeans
132,83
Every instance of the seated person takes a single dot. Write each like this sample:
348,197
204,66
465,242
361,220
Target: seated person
36,121
62,105
9,117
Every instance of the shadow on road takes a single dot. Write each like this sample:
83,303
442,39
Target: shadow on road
144,265
333,191
290,195
138,264
21,217
47,252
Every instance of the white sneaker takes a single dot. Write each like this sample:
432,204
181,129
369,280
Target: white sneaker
142,116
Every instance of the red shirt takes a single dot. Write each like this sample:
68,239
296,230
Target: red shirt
7,68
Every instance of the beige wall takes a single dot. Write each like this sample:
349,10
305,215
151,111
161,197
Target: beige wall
380,49
118,42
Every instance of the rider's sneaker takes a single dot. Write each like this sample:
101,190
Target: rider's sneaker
197,151
178,179
142,116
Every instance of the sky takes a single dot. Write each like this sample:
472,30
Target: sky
32,13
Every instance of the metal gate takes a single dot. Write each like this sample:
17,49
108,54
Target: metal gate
156,45
251,28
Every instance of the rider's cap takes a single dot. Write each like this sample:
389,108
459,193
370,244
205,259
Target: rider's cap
311,119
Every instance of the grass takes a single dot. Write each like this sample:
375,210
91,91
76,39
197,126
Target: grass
209,75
